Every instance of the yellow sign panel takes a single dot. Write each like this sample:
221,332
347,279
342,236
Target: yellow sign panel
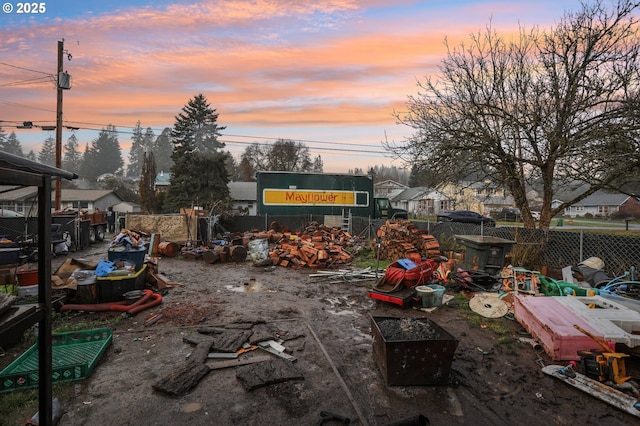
307,197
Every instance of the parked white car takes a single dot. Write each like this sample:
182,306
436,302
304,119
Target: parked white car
535,215
9,213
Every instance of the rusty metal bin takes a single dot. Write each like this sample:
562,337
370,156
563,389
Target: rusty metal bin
412,351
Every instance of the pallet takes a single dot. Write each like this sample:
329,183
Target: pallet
597,389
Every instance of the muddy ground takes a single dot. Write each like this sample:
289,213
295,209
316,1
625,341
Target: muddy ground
326,326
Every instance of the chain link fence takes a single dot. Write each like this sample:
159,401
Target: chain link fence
554,249
534,248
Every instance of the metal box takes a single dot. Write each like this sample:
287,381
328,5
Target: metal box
412,351
485,253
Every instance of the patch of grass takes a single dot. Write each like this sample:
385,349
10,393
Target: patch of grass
18,406
62,326
13,405
367,259
498,325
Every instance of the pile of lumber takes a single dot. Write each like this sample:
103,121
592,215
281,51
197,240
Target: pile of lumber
318,247
401,239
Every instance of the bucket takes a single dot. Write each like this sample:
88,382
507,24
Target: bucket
427,295
438,294
259,250
27,278
87,289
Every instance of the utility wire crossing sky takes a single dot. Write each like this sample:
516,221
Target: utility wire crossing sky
328,74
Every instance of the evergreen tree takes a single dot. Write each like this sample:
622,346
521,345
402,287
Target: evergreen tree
318,165
246,171
11,144
72,156
89,157
3,138
104,155
146,188
232,167
198,174
31,155
47,154
136,153
162,148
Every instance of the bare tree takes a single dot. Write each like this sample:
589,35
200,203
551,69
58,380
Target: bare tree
554,108
283,155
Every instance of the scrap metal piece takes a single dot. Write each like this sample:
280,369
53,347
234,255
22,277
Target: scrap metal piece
222,355
268,346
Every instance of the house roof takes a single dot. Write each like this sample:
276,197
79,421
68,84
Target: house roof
603,198
243,191
163,178
30,192
411,193
390,183
18,193
14,162
506,201
417,193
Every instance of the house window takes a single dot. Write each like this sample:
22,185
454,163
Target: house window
579,208
603,210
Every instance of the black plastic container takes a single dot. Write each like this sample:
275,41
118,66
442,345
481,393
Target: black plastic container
112,289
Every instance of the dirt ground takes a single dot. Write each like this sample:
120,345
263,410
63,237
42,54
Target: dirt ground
327,327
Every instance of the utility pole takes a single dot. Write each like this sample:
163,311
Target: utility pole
58,192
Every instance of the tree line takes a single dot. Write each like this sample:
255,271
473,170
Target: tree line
191,152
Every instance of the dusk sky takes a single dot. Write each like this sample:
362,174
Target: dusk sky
326,73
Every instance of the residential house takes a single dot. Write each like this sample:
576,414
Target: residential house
388,189
603,204
162,182
127,207
480,196
421,201
25,199
244,196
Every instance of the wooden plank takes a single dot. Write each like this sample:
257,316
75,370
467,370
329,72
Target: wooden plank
154,243
218,365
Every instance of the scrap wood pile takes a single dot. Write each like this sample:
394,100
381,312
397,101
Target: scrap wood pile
401,239
317,247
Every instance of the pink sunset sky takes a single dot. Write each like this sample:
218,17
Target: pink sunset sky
326,73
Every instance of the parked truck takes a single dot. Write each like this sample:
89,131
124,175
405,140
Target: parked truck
291,193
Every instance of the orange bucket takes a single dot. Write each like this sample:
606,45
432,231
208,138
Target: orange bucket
29,277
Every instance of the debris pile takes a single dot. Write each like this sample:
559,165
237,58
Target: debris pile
227,346
401,239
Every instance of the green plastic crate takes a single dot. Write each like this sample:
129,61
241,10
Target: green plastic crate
74,355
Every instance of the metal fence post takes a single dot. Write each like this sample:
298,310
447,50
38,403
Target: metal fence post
581,245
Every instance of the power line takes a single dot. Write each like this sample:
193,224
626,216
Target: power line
232,135
25,82
368,150
26,106
27,69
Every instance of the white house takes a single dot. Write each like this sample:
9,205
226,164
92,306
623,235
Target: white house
388,189
244,196
421,201
602,204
